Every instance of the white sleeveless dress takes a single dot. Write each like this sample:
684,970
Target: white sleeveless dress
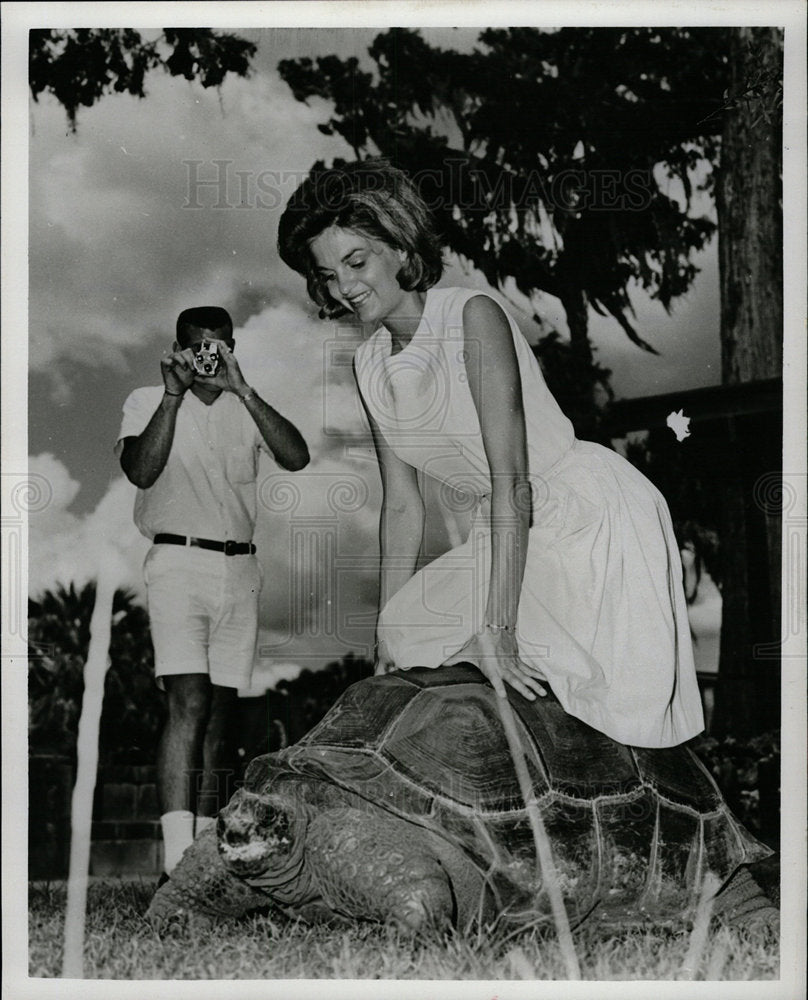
602,610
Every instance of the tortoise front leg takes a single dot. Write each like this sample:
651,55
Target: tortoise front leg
201,883
751,896
370,866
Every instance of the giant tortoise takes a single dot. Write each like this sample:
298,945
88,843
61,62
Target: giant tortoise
403,805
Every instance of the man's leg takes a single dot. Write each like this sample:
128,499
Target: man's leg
180,759
218,755
231,655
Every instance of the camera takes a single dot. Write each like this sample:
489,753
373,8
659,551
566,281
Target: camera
206,359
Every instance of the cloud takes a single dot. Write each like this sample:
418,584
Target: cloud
156,204
317,529
268,675
65,548
55,481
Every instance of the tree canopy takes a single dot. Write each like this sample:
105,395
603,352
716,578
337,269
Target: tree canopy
555,158
80,65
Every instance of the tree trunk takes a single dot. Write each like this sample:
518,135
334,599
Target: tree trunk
750,250
750,217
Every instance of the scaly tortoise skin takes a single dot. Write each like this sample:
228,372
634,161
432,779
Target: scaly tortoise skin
402,805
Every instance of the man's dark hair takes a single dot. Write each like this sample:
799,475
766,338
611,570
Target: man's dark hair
204,318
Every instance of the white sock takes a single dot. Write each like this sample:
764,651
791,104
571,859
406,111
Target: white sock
178,833
202,823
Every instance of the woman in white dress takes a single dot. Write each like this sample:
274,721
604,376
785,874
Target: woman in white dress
570,575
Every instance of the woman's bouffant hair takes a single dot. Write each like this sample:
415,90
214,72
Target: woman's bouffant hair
371,197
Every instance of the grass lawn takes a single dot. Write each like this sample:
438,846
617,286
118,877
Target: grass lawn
121,945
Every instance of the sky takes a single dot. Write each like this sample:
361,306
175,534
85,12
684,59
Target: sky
153,205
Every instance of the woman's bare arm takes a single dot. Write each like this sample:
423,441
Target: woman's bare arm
495,386
401,523
493,372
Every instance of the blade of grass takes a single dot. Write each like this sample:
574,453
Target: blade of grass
543,849
81,807
718,959
701,926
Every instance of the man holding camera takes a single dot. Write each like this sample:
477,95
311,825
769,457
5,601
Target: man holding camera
191,448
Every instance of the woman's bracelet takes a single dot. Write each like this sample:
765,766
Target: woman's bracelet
248,395
177,394
500,628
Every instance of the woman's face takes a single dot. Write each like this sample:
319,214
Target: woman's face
360,274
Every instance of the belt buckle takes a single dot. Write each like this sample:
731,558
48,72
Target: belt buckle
230,547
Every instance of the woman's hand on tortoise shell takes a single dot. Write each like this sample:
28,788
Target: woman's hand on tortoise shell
497,656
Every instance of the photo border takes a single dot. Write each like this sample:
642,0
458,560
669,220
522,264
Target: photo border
16,19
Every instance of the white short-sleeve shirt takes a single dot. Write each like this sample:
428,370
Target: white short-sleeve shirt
208,486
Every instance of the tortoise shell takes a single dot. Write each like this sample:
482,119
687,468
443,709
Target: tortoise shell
633,830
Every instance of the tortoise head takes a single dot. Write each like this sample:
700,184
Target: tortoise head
260,834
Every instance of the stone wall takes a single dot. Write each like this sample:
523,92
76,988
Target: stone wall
126,836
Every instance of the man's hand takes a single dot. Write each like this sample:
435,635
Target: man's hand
497,656
232,372
177,369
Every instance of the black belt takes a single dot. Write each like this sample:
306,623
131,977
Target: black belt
229,548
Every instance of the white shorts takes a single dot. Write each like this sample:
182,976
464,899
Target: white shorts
203,613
